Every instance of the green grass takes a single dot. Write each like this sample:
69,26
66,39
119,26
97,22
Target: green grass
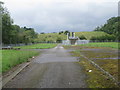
10,58
39,46
53,36
96,78
102,44
88,35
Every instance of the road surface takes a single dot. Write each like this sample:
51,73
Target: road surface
54,68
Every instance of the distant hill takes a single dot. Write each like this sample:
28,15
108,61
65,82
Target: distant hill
88,35
53,37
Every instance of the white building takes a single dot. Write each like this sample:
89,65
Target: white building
73,40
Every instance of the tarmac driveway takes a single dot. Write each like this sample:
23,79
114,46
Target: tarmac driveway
54,68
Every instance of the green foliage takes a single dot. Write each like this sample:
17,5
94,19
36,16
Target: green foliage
10,58
66,32
61,32
104,38
59,40
111,27
56,37
42,33
82,37
13,34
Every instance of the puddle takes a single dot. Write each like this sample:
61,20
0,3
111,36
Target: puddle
87,49
68,50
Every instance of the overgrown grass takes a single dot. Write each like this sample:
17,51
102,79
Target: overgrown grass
103,44
97,79
39,46
10,58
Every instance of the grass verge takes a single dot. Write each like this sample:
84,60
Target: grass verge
103,44
38,46
10,58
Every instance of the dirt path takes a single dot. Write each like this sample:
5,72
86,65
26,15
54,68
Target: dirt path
55,68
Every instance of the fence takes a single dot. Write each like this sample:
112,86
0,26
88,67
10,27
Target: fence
13,45
22,44
68,42
104,41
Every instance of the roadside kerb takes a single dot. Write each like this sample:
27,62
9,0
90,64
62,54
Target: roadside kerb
12,75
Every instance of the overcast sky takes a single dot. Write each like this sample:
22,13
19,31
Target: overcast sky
57,15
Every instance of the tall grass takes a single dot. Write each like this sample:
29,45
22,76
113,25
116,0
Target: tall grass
11,58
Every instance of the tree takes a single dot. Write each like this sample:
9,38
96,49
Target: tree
42,33
111,27
61,32
13,34
59,40
6,28
66,32
82,37
97,29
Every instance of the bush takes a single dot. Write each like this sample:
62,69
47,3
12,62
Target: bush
82,37
104,38
59,40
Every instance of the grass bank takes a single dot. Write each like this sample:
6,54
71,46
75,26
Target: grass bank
38,46
11,58
103,44
56,36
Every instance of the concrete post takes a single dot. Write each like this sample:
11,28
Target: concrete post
67,36
74,34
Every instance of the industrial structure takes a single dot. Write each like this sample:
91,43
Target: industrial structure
73,40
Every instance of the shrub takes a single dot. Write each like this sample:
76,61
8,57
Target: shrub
82,37
104,38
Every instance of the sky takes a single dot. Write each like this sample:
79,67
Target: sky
59,15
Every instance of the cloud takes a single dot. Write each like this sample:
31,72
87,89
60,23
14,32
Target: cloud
56,15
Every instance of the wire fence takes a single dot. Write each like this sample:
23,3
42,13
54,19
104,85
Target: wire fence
22,44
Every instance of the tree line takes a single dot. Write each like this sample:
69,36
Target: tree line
14,34
112,27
